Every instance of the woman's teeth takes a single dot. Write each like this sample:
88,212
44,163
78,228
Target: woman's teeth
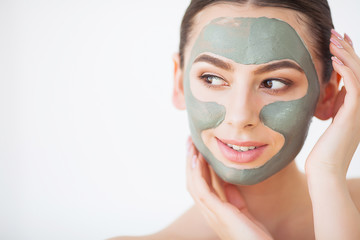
241,148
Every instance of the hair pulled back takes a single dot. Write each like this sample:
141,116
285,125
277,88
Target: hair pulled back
317,18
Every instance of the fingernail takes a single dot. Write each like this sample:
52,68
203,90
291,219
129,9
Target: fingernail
338,35
335,59
348,39
336,42
194,161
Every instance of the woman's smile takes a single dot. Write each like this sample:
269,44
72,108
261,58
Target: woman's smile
241,152
242,147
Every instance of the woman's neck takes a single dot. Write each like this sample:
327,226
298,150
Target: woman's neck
282,195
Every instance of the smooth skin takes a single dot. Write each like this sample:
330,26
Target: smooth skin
323,205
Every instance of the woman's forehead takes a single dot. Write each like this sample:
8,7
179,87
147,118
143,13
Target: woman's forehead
251,40
226,10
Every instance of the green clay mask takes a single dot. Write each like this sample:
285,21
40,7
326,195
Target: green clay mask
254,41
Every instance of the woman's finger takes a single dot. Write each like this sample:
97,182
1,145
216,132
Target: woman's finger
348,40
189,159
339,101
351,83
345,53
218,184
205,171
203,193
226,219
202,182
349,112
343,42
198,177
208,196
235,198
191,165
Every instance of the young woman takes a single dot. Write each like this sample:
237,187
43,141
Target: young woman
251,75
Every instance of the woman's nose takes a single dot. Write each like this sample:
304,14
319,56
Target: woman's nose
243,109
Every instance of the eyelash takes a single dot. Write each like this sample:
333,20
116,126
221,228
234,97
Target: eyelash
208,84
286,82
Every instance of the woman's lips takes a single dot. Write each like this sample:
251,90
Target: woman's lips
239,156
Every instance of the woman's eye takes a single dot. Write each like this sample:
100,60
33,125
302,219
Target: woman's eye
213,80
274,84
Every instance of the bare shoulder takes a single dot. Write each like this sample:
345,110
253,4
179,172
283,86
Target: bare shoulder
190,225
354,189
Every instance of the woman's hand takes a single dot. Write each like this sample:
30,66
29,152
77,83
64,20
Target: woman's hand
335,214
223,208
336,147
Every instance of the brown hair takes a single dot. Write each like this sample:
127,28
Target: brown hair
317,17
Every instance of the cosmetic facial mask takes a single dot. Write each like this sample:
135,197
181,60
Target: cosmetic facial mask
254,41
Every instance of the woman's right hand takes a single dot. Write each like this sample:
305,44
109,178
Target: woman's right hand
224,209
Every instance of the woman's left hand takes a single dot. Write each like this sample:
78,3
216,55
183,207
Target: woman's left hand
335,214
334,150
220,203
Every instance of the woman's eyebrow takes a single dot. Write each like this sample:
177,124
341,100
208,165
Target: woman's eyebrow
267,68
214,61
279,65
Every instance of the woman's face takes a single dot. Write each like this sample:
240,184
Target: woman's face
250,88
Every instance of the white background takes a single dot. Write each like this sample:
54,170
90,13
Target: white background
90,144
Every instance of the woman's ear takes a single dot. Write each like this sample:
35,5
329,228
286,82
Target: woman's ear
178,98
328,92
